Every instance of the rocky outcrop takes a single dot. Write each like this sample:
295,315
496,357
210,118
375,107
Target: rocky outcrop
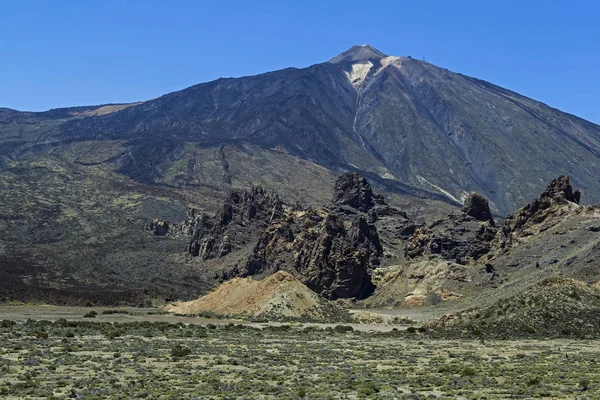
331,254
352,189
560,189
441,258
465,238
478,207
157,227
556,201
458,238
332,250
236,224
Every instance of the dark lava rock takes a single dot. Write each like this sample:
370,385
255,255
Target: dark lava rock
159,228
478,207
557,193
242,215
353,190
332,250
331,254
560,188
392,221
458,238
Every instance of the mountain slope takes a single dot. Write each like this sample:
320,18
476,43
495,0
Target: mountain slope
461,134
396,117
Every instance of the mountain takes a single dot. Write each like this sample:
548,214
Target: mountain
397,118
78,185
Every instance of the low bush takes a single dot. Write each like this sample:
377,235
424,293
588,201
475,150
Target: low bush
179,351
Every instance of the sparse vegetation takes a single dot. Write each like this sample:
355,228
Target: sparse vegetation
554,307
164,360
180,351
109,312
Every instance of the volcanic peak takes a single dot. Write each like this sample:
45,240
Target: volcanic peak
358,53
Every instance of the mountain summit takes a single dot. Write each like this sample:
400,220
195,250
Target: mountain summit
355,53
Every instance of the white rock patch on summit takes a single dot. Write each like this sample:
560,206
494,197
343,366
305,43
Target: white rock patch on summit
397,61
359,73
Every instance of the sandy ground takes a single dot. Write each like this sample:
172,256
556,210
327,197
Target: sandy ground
420,314
278,296
52,313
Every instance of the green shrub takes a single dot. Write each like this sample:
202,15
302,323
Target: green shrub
342,328
41,335
91,314
113,334
179,351
525,328
115,312
584,384
367,389
533,381
574,295
7,323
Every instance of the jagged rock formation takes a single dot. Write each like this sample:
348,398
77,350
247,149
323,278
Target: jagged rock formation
462,238
352,189
468,249
478,207
560,188
555,202
332,254
335,250
465,238
234,225
458,238
332,250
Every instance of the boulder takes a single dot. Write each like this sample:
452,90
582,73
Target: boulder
478,207
157,227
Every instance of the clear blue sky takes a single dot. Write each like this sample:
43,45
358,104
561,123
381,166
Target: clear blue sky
79,52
